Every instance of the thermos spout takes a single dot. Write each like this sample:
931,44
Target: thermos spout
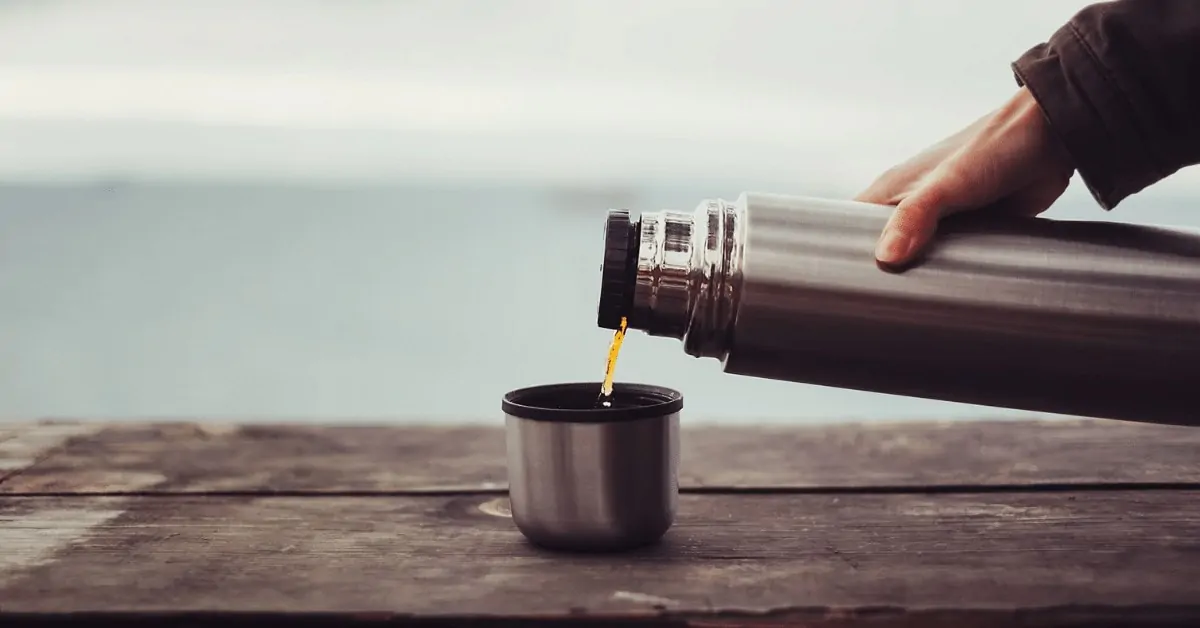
674,274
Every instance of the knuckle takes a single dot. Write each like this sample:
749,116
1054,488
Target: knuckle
958,174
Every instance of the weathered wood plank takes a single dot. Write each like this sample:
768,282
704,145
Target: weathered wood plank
219,457
186,457
23,445
825,555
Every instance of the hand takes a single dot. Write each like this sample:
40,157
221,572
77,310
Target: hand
1008,160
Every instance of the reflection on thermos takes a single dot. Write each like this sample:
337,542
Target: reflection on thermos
1084,318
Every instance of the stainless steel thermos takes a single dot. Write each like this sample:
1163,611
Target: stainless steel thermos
1086,318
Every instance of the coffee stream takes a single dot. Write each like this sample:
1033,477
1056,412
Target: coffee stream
606,389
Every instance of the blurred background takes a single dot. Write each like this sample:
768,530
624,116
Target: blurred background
392,211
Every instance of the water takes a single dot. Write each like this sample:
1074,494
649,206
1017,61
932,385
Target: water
418,302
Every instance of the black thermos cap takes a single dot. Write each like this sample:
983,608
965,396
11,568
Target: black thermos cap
617,275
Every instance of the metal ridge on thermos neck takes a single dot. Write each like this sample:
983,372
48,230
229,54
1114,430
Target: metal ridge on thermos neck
1096,319
674,274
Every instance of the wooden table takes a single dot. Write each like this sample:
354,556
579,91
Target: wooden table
978,524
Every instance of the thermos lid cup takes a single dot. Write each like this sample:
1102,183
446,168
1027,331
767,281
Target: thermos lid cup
588,478
576,402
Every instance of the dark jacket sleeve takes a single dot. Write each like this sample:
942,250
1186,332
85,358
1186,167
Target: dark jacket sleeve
1120,86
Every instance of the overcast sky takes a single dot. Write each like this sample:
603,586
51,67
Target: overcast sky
583,89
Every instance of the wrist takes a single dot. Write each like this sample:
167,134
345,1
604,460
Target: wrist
1027,114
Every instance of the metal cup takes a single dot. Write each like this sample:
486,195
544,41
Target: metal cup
583,478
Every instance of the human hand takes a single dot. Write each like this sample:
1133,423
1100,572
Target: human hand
1008,161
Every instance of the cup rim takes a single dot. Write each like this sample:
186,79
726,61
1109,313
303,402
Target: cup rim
659,401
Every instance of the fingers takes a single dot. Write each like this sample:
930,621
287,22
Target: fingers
885,190
914,222
963,181
910,228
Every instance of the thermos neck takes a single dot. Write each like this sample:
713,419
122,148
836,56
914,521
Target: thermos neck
675,274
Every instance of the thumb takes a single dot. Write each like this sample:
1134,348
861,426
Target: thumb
911,227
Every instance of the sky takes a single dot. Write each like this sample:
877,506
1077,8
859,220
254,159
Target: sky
583,90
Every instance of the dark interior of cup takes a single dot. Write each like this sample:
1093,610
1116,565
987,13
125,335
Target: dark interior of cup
577,402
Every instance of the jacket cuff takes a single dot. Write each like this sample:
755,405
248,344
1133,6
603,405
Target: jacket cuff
1089,115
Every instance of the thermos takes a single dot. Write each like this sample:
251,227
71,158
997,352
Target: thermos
1084,318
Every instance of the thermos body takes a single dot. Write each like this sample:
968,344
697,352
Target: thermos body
1086,318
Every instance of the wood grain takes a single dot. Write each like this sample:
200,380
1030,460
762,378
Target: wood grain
23,445
816,556
185,457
